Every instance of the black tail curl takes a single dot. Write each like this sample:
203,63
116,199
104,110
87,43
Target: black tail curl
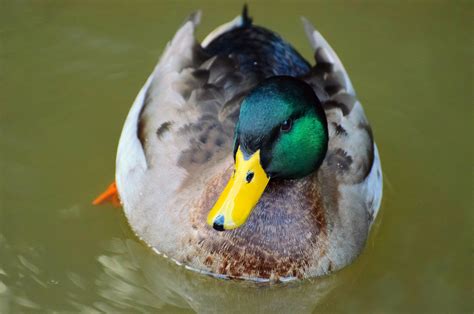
246,19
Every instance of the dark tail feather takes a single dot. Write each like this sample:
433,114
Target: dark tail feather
246,19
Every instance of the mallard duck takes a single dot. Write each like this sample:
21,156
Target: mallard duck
240,159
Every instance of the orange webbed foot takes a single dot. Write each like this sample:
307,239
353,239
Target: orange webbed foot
108,196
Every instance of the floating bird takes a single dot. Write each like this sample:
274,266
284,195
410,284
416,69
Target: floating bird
240,159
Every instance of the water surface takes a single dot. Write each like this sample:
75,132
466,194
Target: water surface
69,71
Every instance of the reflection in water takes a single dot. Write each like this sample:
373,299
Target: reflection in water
131,277
14,278
135,278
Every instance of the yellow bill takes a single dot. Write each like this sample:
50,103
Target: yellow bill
241,193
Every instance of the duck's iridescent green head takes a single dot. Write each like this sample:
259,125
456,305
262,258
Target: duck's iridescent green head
281,133
283,118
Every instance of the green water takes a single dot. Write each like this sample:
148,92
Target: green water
69,71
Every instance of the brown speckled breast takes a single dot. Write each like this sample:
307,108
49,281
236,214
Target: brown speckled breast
284,235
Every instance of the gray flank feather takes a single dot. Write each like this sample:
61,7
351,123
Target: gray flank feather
324,53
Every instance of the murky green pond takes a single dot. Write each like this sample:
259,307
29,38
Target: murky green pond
69,71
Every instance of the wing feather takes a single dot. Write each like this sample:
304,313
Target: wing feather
352,154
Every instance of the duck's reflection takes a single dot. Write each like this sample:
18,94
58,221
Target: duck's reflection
134,277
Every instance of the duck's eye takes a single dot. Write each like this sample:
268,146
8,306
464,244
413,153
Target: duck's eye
286,125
